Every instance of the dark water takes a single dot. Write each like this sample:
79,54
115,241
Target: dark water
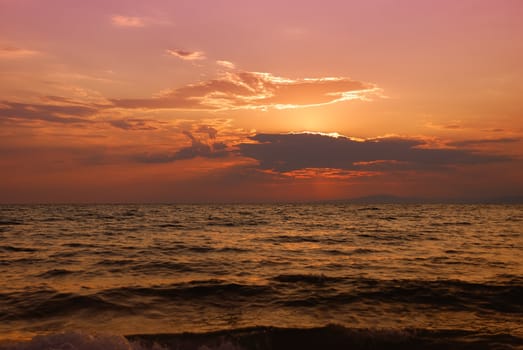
261,277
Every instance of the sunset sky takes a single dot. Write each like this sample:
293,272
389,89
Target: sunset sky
235,100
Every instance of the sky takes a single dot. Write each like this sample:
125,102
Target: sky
259,101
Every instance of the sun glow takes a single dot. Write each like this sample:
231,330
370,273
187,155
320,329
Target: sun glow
329,134
334,135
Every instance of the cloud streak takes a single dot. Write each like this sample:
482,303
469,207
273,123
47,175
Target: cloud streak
186,55
12,52
133,124
226,64
63,114
127,21
256,90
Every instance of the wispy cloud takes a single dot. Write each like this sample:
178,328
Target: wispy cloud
138,22
226,64
454,125
13,52
64,114
186,55
257,90
128,21
134,124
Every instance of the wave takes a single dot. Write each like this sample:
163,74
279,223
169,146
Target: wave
115,262
368,209
357,251
9,248
303,291
304,239
234,222
56,273
201,249
22,261
48,303
514,218
332,337
439,294
306,278
451,223
79,245
195,290
10,222
177,225
159,267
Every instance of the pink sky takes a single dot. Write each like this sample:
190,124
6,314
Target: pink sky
182,101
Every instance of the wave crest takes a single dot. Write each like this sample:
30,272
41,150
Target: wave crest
332,337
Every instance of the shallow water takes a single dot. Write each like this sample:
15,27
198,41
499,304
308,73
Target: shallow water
400,271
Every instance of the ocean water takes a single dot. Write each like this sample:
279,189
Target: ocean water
286,276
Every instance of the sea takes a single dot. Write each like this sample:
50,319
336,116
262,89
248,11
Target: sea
263,276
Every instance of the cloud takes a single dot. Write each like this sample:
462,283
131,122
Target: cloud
64,114
455,125
198,148
11,52
331,173
226,64
127,21
186,55
256,90
297,151
212,132
132,124
466,143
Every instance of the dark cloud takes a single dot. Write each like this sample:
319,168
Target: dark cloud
219,146
186,55
209,130
289,152
197,148
254,90
64,114
466,143
132,124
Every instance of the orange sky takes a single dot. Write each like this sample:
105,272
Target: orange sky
229,100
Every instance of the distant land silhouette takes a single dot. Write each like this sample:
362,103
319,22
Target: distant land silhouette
391,199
